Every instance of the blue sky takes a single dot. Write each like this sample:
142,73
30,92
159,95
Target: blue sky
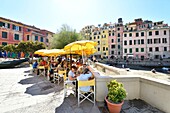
51,14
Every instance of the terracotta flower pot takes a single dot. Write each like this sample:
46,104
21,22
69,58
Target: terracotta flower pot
114,108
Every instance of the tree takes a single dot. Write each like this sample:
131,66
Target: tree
1,47
22,47
8,48
63,37
34,46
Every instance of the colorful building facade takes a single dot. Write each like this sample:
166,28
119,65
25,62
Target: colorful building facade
12,32
139,39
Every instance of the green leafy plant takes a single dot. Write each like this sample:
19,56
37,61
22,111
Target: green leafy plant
116,92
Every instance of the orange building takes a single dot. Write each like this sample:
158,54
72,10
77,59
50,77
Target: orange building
12,32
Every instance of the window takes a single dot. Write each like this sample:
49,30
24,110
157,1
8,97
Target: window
150,33
130,34
157,41
165,48
138,41
149,41
156,32
137,34
2,24
142,49
106,48
130,42
28,30
112,34
118,35
150,49
119,53
112,40
125,42
36,38
118,28
4,34
103,48
113,46
47,40
142,33
164,32
16,37
8,25
130,50
103,31
42,39
125,35
125,50
28,37
94,37
17,28
118,40
118,46
156,48
98,42
98,49
109,34
164,40
99,33
98,37
137,50
142,41
112,52
4,43
134,42
90,38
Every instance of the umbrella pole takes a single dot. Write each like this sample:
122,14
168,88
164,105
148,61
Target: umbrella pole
82,57
70,61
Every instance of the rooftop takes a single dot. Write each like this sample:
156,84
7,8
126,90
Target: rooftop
9,20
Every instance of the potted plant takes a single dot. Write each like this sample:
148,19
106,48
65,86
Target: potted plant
115,97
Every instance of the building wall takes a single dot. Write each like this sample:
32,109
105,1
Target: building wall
161,45
141,49
22,30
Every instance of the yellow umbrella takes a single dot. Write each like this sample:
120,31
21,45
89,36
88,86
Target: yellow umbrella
80,45
84,46
56,52
41,51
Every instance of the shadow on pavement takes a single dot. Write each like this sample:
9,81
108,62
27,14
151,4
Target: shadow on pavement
30,80
28,71
40,85
70,105
41,89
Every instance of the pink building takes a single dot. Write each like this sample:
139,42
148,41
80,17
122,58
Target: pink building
146,40
115,39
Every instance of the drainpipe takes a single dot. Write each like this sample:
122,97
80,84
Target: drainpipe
146,43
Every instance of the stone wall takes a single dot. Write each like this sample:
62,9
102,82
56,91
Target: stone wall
153,91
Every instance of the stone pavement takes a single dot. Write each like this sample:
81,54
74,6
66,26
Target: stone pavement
21,92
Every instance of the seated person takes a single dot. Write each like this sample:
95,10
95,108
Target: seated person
35,64
71,73
43,63
83,77
51,71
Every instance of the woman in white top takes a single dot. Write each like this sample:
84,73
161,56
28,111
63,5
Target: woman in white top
71,74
